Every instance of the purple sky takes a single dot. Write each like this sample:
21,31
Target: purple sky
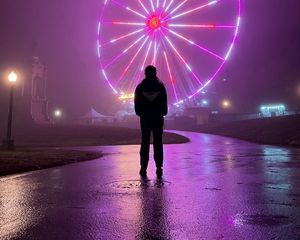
263,68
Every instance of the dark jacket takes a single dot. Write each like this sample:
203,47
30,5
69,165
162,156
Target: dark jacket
150,99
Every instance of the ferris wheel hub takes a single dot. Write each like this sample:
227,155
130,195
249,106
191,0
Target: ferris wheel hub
154,23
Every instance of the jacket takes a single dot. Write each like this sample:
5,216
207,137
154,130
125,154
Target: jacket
150,99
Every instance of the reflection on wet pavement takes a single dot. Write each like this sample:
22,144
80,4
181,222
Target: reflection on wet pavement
213,188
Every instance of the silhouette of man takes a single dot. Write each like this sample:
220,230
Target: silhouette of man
150,102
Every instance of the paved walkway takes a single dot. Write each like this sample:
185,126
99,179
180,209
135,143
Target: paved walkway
213,188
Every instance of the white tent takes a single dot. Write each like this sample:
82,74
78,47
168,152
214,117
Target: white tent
93,117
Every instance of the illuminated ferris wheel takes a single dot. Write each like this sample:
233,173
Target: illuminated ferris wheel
189,41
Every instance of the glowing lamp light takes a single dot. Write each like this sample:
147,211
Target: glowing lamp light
226,104
58,113
126,96
12,77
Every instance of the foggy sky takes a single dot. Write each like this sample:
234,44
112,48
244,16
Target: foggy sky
264,66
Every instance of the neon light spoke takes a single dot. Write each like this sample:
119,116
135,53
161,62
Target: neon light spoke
157,4
152,5
144,62
179,6
129,23
171,76
143,6
121,37
164,4
169,5
195,44
154,53
194,9
123,52
146,56
201,26
131,61
129,9
182,59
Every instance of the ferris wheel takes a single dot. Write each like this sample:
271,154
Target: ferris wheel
189,41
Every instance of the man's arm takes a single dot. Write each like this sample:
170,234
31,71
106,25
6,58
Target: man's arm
137,102
164,102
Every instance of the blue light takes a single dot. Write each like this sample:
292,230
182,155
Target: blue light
204,102
273,110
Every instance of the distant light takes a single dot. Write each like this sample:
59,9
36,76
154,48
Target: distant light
126,96
273,110
57,113
226,104
204,102
273,107
12,77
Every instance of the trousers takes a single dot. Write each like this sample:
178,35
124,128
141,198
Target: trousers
151,124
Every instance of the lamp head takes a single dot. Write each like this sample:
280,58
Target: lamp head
12,77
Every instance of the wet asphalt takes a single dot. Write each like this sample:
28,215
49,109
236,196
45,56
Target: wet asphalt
213,188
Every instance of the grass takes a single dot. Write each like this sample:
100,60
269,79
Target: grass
283,130
24,160
69,136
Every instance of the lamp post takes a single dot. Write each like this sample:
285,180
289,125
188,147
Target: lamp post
8,143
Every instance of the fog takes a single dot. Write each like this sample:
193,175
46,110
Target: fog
263,68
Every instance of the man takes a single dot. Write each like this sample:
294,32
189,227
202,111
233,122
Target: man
150,101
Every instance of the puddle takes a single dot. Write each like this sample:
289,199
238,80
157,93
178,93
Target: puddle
138,184
261,220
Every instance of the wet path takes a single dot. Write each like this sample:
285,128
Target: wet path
213,188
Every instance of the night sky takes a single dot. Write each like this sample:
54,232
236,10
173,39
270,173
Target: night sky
263,68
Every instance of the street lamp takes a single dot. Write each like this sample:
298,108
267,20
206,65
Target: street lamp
58,113
226,104
8,143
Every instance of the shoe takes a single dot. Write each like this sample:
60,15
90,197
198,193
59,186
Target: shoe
143,172
159,172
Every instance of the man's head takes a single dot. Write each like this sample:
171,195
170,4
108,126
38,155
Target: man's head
150,72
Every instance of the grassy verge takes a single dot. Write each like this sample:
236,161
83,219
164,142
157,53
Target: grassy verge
25,160
70,136
275,131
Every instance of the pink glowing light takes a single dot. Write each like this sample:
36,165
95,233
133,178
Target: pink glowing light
193,43
144,62
125,51
183,60
194,9
128,8
171,76
201,26
154,23
166,34
143,6
131,61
